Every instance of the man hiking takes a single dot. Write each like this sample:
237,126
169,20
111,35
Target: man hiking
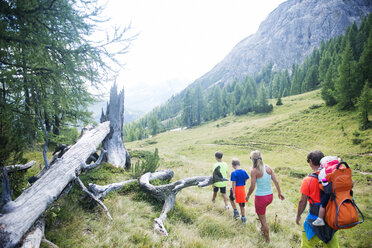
310,191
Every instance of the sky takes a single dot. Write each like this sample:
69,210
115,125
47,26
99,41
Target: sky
179,41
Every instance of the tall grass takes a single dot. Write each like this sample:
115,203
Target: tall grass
284,137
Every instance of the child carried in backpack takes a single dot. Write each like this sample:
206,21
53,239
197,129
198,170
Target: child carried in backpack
327,165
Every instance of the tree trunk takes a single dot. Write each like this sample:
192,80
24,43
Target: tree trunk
6,192
168,192
21,214
36,234
116,155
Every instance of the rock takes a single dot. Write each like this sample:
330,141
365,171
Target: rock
287,36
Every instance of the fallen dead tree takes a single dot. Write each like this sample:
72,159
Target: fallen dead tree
168,192
101,191
20,215
6,193
165,193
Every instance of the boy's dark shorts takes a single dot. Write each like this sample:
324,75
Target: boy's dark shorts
231,196
222,189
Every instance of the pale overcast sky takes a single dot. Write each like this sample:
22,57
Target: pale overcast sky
180,40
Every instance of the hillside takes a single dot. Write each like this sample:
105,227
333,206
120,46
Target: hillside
284,137
240,91
286,37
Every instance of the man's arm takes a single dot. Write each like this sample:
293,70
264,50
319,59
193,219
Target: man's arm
301,207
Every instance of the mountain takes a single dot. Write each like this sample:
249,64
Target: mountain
287,36
130,115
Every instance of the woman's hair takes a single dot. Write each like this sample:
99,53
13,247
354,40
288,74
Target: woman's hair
257,161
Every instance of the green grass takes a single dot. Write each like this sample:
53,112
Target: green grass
284,138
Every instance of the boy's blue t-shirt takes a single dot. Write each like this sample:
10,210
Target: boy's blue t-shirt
239,176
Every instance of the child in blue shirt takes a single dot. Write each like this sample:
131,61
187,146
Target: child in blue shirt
238,179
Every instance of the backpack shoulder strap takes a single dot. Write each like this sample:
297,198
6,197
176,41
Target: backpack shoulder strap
312,175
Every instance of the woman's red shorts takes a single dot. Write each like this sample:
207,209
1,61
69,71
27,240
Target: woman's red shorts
261,202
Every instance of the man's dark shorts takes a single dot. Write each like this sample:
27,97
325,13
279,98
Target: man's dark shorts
222,189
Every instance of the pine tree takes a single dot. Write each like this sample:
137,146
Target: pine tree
347,78
199,102
237,93
364,106
279,101
188,112
311,79
216,103
328,88
154,125
275,86
48,62
295,81
285,83
262,105
365,62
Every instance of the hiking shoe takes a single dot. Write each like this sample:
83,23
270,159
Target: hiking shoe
236,214
227,207
243,219
318,222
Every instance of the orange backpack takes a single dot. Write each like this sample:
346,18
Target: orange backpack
341,210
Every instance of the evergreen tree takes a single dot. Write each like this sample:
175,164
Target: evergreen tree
295,81
154,125
216,103
199,101
364,106
311,79
285,83
365,62
48,61
275,86
262,105
324,64
279,101
328,89
237,93
225,102
347,78
188,112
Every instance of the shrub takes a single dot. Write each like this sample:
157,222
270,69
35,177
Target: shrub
298,174
279,102
149,164
315,106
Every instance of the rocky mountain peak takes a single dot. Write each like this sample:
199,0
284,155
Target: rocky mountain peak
287,36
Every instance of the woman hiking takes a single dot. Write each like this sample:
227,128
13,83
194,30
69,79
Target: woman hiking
262,174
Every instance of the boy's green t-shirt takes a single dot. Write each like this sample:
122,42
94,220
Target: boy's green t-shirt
223,170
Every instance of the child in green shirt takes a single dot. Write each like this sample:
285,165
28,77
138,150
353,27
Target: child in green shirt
220,185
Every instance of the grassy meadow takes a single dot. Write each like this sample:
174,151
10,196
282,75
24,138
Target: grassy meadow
284,138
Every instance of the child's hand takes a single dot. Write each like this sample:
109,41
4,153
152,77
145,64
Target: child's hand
247,198
281,197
